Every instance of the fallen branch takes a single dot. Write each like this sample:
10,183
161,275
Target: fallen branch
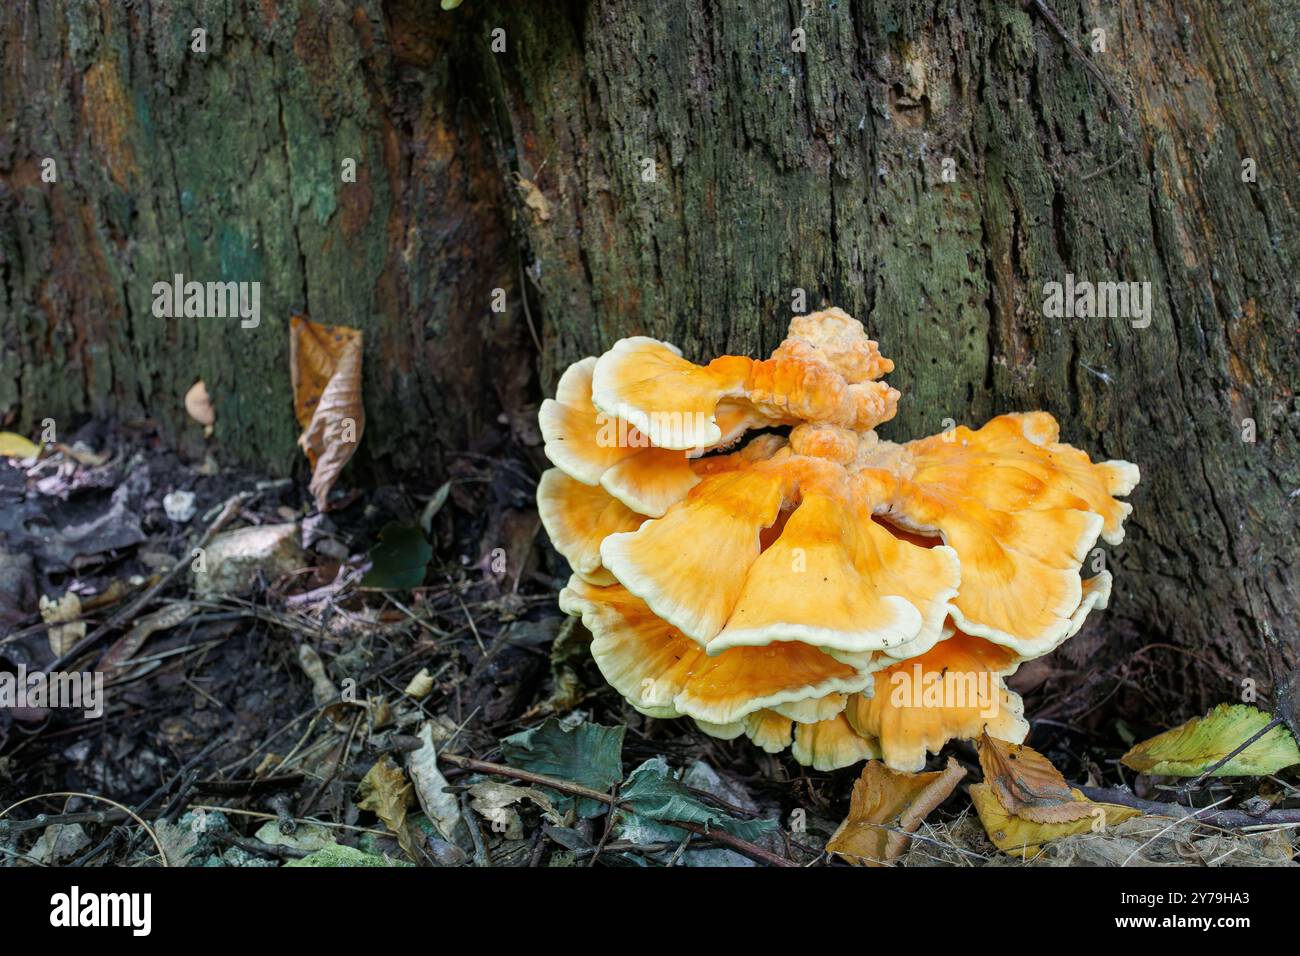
1227,819
744,847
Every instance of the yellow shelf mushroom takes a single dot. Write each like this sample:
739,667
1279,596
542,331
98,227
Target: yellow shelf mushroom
815,587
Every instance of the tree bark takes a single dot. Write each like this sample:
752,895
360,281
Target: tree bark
676,169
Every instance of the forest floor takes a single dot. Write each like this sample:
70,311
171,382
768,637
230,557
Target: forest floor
292,698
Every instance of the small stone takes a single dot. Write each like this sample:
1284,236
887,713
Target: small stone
179,506
234,561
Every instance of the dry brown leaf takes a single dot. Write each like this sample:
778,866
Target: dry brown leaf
1025,802
420,686
85,456
117,589
63,629
125,647
386,792
886,806
325,362
533,198
494,801
442,808
1026,783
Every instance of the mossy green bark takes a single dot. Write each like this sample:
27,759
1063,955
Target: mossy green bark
228,165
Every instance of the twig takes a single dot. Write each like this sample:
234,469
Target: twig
43,820
528,314
269,851
481,856
1227,819
1046,13
90,796
609,825
744,847
1195,784
248,787
681,848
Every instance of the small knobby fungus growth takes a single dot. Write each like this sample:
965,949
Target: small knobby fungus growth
823,589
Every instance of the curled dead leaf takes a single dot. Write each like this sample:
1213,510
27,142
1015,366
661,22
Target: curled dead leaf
325,363
438,805
494,801
322,688
63,627
885,807
1025,802
1026,783
1017,836
386,792
420,685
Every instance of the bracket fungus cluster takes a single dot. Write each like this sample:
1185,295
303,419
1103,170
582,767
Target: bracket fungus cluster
747,552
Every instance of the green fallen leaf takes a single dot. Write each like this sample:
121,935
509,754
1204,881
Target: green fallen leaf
1192,748
589,754
656,795
399,559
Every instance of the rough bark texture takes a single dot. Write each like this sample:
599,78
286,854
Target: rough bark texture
774,170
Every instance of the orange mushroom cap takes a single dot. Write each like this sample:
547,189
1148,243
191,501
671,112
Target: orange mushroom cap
831,744
955,690
663,673
785,590
671,400
578,518
1022,513
597,449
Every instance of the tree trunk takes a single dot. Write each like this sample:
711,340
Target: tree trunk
680,170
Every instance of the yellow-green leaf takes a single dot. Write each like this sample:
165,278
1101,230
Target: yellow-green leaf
16,446
1192,748
1017,836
